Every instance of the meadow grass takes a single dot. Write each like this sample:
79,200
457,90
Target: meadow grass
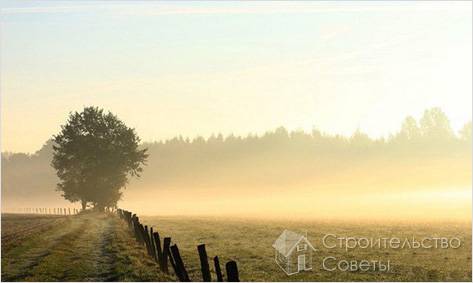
100,247
249,242
87,247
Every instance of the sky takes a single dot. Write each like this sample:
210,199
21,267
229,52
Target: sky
198,68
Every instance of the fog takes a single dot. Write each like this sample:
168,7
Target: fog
422,172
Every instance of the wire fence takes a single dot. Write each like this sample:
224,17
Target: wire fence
46,210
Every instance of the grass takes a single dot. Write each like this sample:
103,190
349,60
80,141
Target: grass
249,242
99,247
88,247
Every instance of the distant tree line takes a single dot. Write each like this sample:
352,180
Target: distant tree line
276,157
433,130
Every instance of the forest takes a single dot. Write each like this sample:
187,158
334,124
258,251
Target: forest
424,154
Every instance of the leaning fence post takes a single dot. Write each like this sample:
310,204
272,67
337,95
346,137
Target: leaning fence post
143,234
164,259
204,263
140,232
137,229
173,264
218,270
180,268
147,240
153,246
159,251
232,271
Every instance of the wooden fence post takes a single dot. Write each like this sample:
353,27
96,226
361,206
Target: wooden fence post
232,271
151,239
159,251
153,244
164,260
147,241
143,234
180,268
140,233
218,270
129,218
204,263
136,228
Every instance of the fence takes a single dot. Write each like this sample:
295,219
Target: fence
48,211
167,253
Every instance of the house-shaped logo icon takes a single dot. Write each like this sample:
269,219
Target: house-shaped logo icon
293,252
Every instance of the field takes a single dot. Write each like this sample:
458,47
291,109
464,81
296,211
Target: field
249,242
99,247
88,247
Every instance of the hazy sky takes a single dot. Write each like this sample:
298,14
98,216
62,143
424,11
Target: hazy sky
195,68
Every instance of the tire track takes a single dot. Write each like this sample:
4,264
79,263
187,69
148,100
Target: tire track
89,247
39,247
9,239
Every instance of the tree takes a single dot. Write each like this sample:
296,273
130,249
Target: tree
94,155
465,132
434,124
409,130
360,139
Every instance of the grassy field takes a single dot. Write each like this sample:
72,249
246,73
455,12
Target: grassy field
249,242
88,247
99,247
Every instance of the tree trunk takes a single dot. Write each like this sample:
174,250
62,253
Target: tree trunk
99,207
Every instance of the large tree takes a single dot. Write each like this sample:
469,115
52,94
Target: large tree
94,155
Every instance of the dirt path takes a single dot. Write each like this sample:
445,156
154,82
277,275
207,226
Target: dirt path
90,247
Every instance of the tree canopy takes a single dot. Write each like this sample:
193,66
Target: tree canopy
94,155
